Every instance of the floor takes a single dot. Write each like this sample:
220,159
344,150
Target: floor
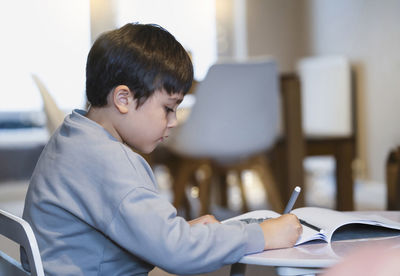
320,187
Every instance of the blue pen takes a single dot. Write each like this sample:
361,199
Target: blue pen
292,199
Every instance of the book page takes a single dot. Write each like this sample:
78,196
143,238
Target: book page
330,220
326,219
379,220
319,223
310,235
307,235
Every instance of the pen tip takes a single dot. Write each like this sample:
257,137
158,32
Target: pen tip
298,189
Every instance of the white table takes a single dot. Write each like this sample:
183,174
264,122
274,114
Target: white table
313,257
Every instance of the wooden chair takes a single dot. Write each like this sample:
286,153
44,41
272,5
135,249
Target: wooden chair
329,112
287,155
393,179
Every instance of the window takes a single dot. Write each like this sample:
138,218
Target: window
49,38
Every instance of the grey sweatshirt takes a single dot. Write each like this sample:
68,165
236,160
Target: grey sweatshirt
95,209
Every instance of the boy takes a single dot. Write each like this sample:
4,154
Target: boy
94,204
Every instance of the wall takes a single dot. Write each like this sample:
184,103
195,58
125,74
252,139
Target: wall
276,28
225,28
102,17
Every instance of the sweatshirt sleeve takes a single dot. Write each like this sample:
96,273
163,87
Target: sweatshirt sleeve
146,225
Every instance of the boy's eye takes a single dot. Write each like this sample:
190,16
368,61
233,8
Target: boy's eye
168,109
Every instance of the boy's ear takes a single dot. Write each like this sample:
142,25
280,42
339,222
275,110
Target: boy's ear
122,97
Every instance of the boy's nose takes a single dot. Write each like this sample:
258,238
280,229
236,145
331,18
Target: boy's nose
172,120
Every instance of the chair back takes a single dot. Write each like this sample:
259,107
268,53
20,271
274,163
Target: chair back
393,179
54,115
326,95
236,112
20,232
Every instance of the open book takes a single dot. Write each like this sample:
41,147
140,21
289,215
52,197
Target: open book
322,224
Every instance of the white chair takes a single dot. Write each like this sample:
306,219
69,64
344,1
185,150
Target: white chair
326,93
19,231
234,121
329,122
54,115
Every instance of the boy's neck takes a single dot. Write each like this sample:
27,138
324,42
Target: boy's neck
104,117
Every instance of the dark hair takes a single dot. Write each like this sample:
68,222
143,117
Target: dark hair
143,57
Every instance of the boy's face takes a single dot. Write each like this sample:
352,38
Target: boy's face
144,127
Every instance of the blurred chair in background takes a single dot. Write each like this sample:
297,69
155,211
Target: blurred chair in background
54,115
20,232
232,124
393,179
328,114
288,153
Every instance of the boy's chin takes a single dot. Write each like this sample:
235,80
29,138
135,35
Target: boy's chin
142,150
147,150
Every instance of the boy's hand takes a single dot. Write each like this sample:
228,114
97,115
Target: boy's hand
206,219
281,232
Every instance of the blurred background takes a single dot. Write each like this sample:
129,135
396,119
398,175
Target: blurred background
51,39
